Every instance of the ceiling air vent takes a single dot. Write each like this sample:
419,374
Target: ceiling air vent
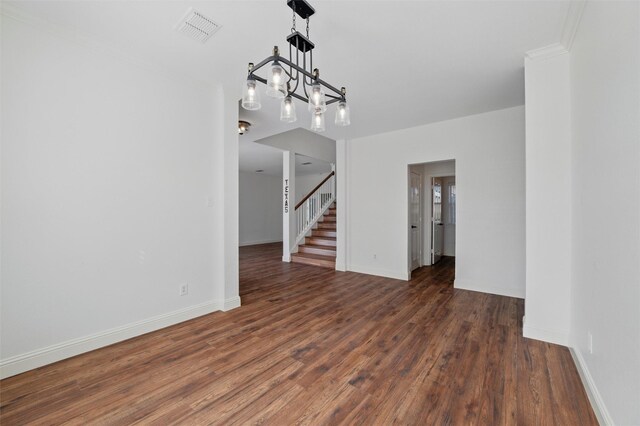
197,26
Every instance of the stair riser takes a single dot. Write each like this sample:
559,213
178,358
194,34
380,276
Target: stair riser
327,225
329,219
324,233
314,262
317,250
320,242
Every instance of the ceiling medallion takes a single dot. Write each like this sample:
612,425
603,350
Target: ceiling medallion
296,78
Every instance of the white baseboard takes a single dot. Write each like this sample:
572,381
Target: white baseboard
398,275
559,337
474,285
40,357
254,243
597,403
231,303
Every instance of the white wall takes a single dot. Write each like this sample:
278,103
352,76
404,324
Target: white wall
113,194
305,183
489,153
548,157
260,208
605,95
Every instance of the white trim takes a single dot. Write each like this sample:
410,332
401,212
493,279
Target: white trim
341,204
34,359
559,337
473,285
597,403
387,273
267,241
569,29
546,52
571,23
231,303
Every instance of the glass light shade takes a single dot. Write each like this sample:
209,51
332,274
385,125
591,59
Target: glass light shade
276,81
288,110
343,117
251,95
316,98
317,121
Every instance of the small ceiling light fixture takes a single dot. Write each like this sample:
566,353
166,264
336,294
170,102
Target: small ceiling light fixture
243,127
285,75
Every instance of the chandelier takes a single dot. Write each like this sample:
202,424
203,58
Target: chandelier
296,78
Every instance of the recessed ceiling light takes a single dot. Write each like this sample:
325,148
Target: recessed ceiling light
243,127
259,171
306,163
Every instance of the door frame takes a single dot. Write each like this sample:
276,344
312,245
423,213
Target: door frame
426,208
420,220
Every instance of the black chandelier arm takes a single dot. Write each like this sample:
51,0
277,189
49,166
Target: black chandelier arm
304,65
263,63
295,95
299,70
308,74
260,79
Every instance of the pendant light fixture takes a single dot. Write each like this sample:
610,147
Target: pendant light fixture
296,78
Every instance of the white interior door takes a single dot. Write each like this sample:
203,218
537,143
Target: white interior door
415,219
437,226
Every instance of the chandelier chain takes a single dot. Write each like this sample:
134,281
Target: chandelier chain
307,27
293,29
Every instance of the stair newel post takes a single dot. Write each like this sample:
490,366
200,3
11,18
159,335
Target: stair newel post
289,225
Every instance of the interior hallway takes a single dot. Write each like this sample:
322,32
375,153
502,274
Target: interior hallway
318,346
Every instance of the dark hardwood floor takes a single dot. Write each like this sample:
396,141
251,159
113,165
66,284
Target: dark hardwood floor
315,346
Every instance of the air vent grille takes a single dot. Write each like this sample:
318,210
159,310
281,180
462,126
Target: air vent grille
197,26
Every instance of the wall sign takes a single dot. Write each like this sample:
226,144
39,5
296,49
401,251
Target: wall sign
286,196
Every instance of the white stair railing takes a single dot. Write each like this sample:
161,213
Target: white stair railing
313,206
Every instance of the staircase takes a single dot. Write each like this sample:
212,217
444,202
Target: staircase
320,248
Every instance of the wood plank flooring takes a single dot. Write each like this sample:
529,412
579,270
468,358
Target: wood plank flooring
315,346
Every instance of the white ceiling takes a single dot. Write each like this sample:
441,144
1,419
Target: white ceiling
404,63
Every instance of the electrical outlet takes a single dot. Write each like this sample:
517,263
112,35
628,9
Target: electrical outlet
590,342
184,289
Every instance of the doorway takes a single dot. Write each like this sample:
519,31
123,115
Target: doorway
432,212
443,217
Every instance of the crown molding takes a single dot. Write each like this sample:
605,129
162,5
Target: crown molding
571,22
546,52
569,29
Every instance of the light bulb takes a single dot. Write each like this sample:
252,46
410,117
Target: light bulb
275,81
250,96
317,121
288,110
316,99
342,114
